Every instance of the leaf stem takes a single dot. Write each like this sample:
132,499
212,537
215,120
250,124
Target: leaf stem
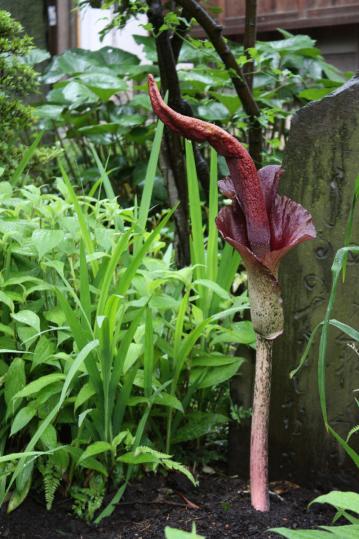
260,424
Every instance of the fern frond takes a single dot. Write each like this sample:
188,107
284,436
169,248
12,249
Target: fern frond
51,476
352,431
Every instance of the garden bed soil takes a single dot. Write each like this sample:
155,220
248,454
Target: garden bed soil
220,507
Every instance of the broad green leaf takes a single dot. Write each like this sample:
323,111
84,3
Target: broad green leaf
340,500
214,376
93,464
22,418
95,449
86,392
29,318
102,84
49,437
49,112
198,424
173,533
44,350
14,382
38,384
6,299
213,112
211,285
350,531
45,241
162,399
304,534
313,94
213,360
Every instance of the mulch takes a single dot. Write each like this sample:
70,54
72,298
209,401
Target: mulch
220,507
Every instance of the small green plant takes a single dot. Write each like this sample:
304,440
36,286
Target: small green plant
87,500
347,506
174,533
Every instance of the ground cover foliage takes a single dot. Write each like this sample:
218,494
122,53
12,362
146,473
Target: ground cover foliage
112,357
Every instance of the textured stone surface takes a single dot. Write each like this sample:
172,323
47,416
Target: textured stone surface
321,163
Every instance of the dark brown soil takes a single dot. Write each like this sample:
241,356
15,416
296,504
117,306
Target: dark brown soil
220,507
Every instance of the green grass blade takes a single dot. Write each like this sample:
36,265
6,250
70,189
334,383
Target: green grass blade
230,260
104,176
85,232
197,237
85,297
149,183
179,324
349,226
121,246
122,400
106,368
105,180
81,337
26,158
123,349
212,249
130,272
148,354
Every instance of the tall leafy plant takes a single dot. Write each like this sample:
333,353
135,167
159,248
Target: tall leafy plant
105,344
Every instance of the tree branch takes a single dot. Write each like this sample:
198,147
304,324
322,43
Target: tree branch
215,35
249,39
179,35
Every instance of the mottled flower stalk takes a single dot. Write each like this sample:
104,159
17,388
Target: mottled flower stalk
262,226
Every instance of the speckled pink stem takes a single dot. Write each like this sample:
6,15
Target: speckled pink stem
260,423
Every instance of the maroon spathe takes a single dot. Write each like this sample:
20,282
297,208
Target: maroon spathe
260,224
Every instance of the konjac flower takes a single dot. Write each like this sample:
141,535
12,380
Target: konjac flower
260,224
263,226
